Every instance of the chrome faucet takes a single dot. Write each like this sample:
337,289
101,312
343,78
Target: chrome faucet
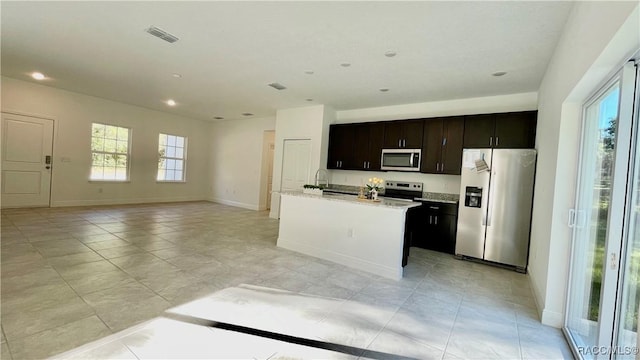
318,178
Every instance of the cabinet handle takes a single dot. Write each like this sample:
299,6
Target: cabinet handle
434,207
436,219
399,142
430,219
491,141
437,167
444,141
404,143
497,141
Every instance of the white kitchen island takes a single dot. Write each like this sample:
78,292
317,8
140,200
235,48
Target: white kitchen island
341,228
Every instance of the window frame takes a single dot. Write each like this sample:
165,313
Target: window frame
183,158
127,154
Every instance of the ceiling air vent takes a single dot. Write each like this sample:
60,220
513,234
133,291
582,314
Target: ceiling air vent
159,33
277,86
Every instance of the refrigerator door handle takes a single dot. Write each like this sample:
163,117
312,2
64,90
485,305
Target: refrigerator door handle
490,205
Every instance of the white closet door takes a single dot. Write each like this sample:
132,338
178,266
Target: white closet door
296,163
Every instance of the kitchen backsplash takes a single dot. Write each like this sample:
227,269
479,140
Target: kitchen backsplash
445,184
425,195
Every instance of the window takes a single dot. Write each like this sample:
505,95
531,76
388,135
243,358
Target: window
109,152
172,152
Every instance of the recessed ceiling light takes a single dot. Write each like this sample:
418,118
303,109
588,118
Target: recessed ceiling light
499,73
308,72
345,64
390,54
308,99
218,117
171,102
247,114
176,75
38,76
384,90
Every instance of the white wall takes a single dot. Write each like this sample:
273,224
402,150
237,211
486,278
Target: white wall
311,122
237,161
73,114
432,183
585,56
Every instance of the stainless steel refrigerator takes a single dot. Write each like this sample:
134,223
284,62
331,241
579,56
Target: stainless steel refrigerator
494,214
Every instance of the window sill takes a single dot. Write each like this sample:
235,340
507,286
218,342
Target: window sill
171,182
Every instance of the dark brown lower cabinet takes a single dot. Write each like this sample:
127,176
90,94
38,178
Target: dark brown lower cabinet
435,227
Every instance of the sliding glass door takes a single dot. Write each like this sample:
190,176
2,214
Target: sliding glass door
599,219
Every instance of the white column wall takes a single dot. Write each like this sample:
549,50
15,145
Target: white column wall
598,38
311,122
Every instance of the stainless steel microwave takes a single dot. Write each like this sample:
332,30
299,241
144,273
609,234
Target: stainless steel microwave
401,159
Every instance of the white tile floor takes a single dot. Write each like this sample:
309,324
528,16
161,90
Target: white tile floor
72,276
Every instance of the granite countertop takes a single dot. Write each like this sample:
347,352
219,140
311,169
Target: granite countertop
389,203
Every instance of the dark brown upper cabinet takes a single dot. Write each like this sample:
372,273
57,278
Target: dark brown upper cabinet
442,145
341,146
516,130
403,134
369,138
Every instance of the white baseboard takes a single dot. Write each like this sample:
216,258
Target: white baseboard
547,317
552,318
235,203
96,202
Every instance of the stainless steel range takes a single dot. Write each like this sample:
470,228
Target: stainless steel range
402,190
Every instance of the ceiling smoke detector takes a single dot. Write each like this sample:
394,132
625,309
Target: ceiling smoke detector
277,86
159,33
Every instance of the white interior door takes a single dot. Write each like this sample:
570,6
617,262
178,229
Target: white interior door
295,164
27,146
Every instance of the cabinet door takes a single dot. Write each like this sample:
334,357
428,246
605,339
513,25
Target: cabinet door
376,141
412,132
515,130
447,230
361,147
453,133
393,134
479,131
432,146
341,145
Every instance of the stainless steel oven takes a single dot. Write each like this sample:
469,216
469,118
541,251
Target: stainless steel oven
401,159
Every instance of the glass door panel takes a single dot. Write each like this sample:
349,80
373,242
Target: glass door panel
627,340
592,215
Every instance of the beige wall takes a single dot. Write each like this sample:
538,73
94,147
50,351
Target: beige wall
598,38
73,114
237,160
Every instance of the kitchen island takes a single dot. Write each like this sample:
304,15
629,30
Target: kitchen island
341,228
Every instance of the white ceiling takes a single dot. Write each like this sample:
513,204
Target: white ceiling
229,51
